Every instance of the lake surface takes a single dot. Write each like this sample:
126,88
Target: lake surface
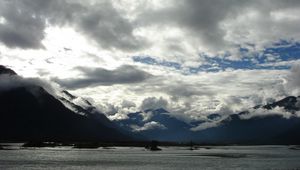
225,157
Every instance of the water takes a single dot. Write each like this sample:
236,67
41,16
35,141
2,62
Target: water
226,157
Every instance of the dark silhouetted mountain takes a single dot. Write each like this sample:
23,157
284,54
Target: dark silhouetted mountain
289,103
258,130
266,129
30,113
90,111
5,70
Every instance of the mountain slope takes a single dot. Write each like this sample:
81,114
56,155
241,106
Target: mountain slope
263,129
5,70
29,113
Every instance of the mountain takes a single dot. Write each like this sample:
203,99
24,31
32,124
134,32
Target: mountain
291,104
4,70
28,112
157,124
263,129
235,129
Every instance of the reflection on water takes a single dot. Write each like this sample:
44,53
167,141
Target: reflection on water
225,157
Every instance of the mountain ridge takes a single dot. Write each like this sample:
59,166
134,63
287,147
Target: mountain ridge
258,129
29,113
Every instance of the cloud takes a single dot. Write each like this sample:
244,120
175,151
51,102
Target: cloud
24,22
9,82
148,126
293,80
215,27
125,74
128,104
206,125
104,24
174,30
153,103
224,93
21,26
261,112
199,18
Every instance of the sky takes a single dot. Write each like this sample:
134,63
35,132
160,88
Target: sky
192,57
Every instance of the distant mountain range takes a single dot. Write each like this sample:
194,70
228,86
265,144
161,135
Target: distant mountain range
235,129
261,129
30,113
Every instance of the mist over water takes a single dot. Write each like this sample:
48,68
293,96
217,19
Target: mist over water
216,157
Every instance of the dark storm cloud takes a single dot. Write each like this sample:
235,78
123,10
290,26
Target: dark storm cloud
125,74
21,27
104,24
25,22
203,18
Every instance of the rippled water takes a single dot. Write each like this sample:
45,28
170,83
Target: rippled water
226,157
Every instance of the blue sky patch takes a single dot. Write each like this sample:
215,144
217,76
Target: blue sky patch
267,59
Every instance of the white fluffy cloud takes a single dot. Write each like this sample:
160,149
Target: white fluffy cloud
194,96
148,126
